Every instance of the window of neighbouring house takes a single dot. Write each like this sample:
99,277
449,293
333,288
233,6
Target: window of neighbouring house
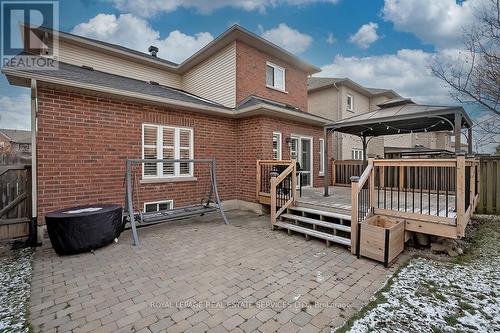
357,154
158,205
277,146
166,142
275,76
350,103
321,157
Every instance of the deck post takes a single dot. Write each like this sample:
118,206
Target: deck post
472,188
326,179
460,193
469,140
354,213
372,184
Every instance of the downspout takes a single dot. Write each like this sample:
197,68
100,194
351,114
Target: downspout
34,111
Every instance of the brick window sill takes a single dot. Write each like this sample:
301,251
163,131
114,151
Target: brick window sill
167,180
276,89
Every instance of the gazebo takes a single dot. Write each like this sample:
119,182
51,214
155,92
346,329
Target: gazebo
401,116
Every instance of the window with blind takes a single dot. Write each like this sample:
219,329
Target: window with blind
167,142
276,146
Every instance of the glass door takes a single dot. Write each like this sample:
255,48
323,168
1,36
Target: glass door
301,151
305,161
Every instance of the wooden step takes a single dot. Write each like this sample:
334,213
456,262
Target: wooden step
323,208
317,222
314,233
322,212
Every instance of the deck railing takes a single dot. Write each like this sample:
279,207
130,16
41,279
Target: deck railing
283,189
343,170
265,170
434,196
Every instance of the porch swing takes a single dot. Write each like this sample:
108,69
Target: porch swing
208,195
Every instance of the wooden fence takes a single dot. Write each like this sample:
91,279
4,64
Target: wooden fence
15,201
489,191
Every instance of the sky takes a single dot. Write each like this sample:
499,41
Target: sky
377,43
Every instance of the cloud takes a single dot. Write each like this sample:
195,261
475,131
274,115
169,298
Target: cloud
407,72
365,36
288,38
136,33
15,111
331,39
440,23
146,8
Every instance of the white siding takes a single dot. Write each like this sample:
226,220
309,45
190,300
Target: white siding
215,78
76,55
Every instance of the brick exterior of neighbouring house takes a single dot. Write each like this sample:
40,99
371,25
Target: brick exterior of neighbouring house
83,142
251,78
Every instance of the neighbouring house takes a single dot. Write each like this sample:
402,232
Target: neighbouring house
15,141
340,98
237,100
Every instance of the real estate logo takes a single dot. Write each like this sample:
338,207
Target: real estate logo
29,32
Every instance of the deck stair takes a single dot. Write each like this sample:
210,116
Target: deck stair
330,226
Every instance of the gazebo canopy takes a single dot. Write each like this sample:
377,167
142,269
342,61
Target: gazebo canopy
402,116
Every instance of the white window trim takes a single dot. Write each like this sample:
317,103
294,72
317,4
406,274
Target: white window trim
171,202
356,151
280,148
351,108
274,66
321,157
159,151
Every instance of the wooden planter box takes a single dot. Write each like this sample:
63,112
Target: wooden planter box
381,239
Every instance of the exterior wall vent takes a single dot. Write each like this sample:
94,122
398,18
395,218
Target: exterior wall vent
153,50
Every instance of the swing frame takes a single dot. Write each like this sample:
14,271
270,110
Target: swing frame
180,212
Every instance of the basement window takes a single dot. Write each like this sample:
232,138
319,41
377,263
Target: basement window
158,205
275,76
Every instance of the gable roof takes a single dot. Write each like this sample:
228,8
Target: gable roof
235,32
17,136
317,83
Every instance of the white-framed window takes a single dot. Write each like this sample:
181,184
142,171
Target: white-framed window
275,76
350,103
158,205
167,142
277,146
321,157
357,154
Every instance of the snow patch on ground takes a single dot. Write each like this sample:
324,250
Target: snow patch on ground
429,296
15,277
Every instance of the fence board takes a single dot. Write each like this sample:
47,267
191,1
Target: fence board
489,196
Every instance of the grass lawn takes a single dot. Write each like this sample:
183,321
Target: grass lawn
429,295
15,279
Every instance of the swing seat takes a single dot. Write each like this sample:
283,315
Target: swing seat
174,214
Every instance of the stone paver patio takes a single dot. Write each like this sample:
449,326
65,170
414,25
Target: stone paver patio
203,276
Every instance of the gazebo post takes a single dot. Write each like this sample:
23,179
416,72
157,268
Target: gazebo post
365,144
469,140
326,178
458,133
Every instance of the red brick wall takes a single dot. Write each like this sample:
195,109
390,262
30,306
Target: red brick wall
83,142
251,78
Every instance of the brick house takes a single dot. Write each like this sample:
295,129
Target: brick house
238,99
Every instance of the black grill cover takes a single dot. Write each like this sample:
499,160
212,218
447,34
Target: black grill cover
84,228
